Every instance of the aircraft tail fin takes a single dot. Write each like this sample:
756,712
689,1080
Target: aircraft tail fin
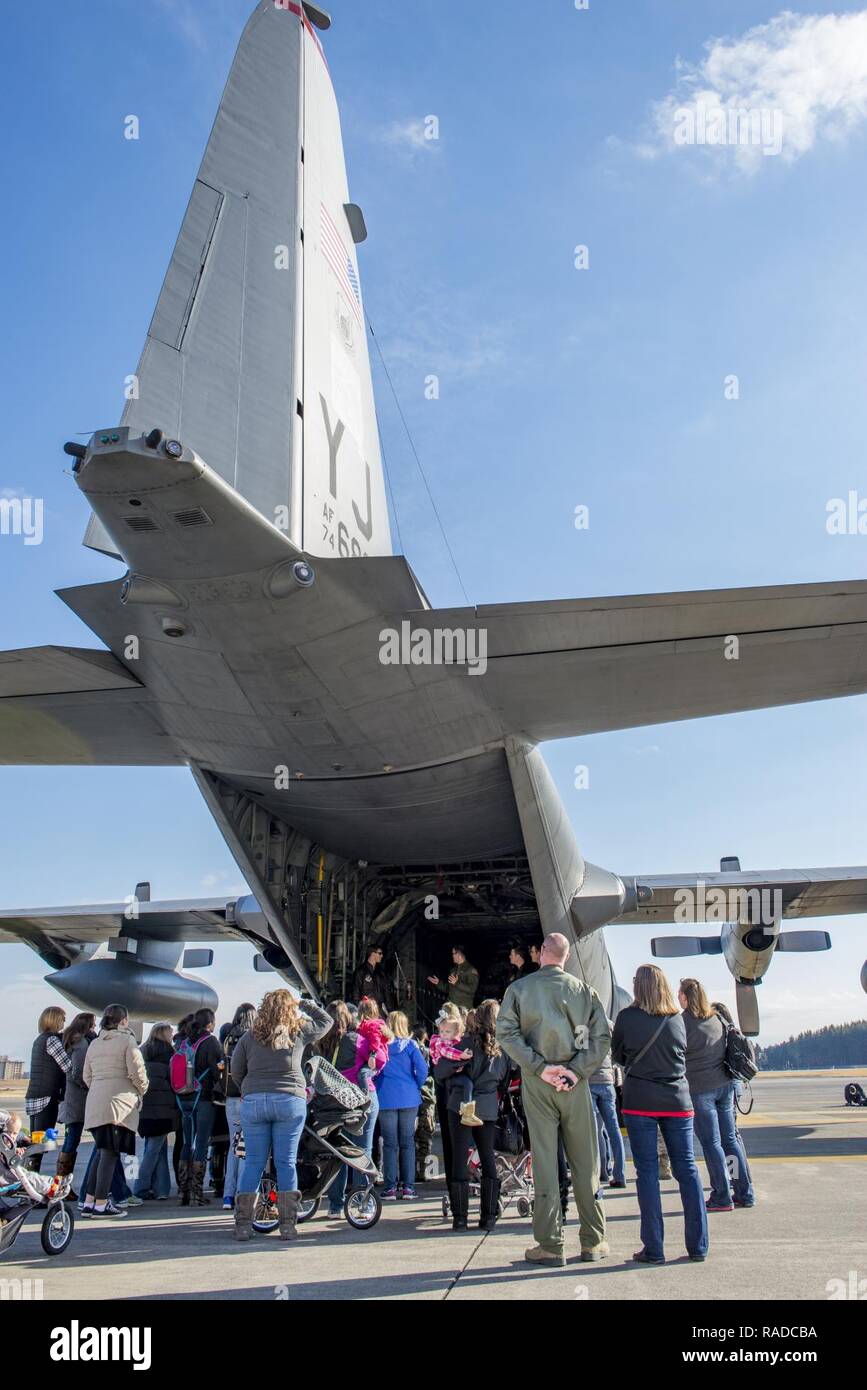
256,356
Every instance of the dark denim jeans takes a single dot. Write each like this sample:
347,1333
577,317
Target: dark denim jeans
153,1173
642,1131
197,1120
72,1136
398,1137
717,1133
605,1101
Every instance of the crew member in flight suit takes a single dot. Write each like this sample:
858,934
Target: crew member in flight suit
554,1026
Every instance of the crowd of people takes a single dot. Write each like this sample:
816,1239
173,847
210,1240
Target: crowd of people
232,1098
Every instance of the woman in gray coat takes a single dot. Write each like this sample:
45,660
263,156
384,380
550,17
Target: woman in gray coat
115,1077
76,1040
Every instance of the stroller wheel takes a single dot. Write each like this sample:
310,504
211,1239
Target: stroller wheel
447,1209
524,1207
57,1228
265,1209
307,1209
363,1208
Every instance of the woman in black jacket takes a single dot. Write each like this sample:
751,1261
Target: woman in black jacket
157,1117
649,1042
197,1110
49,1068
487,1071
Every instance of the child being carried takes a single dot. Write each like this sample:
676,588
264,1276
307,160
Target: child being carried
446,1043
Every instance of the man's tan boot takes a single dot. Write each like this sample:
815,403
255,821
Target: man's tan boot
468,1114
595,1252
538,1255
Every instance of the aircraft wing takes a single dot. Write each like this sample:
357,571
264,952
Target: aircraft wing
62,930
76,705
803,893
589,665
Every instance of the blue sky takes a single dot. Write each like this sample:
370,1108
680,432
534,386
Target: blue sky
558,387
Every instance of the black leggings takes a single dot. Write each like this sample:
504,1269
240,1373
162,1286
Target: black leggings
463,1138
104,1174
445,1129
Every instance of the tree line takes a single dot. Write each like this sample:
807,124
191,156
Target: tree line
838,1045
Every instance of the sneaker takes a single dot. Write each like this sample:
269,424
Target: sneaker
109,1210
228,1204
408,1194
709,1206
133,1201
389,1194
85,1208
616,1184
745,1205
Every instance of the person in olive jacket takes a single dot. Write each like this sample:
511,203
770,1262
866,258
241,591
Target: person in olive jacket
463,980
487,1070
157,1118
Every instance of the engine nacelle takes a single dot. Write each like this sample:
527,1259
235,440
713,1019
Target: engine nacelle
149,992
864,977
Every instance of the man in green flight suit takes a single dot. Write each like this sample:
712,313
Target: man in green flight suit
554,1026
463,980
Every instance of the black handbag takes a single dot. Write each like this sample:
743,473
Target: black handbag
509,1132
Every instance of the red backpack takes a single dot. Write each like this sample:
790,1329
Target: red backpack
182,1068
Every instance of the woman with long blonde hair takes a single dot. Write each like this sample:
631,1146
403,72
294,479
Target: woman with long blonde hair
649,1042
398,1087
266,1065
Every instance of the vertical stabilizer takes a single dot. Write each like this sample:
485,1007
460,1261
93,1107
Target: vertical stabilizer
256,355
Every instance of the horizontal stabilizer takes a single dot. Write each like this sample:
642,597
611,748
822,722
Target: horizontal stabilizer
804,941
670,946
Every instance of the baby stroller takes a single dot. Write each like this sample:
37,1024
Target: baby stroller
22,1191
337,1110
512,1157
853,1093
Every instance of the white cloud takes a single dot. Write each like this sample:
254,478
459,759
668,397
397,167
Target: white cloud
782,87
411,135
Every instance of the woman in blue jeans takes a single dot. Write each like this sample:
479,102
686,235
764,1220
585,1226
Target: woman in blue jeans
399,1088
266,1066
649,1042
713,1099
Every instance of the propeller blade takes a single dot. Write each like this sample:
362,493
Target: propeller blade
686,946
748,1009
804,941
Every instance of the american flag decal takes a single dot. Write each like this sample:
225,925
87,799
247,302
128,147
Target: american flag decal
335,252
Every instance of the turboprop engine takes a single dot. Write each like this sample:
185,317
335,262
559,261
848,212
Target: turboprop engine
747,943
135,970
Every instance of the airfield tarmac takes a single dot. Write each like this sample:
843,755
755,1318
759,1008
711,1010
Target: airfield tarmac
808,1151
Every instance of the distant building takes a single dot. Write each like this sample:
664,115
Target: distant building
11,1070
